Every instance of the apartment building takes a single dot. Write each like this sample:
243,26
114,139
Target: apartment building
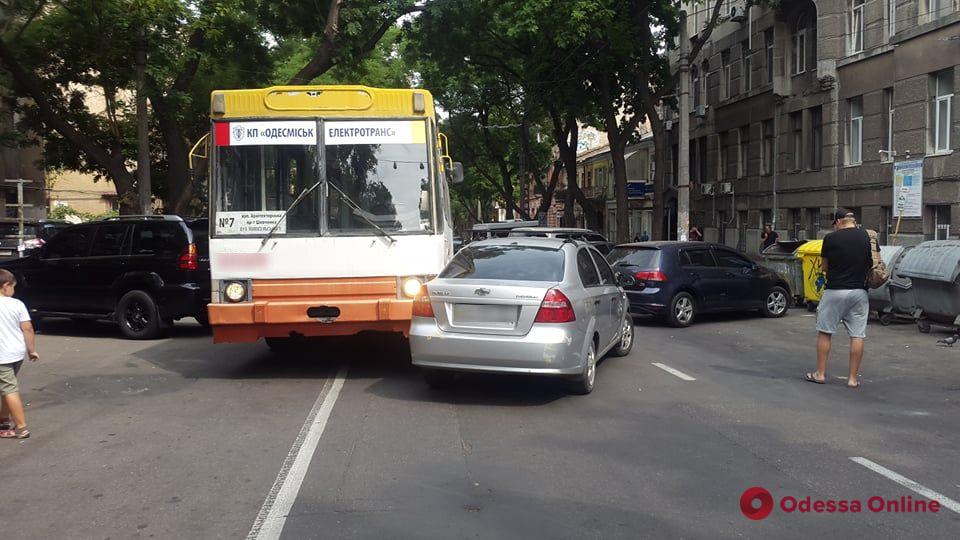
811,106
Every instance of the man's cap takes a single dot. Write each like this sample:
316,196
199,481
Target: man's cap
842,213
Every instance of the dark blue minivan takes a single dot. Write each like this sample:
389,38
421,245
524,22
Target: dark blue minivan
679,280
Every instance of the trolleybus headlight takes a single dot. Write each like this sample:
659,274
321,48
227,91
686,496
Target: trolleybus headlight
235,291
411,286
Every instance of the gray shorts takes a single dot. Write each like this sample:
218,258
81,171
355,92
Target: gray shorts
8,378
849,306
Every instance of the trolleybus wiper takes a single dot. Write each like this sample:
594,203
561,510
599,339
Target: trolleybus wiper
296,201
359,211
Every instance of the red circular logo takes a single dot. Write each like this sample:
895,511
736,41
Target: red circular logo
752,511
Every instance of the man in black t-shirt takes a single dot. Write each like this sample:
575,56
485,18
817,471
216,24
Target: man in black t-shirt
768,237
847,260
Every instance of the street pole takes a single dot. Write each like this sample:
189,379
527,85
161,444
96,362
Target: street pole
20,206
143,134
683,167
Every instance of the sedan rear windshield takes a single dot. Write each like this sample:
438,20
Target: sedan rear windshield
516,263
639,257
13,229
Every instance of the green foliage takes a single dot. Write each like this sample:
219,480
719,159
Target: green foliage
63,211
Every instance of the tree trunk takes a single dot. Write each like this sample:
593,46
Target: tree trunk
546,193
660,144
179,185
617,149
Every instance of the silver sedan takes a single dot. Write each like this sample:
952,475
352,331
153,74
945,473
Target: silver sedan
539,306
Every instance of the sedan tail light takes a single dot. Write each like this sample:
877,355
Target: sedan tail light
651,275
555,308
421,304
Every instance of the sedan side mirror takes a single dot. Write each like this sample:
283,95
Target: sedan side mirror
625,279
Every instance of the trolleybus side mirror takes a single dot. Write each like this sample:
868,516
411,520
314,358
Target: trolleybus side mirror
456,173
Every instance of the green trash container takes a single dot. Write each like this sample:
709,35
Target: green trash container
781,257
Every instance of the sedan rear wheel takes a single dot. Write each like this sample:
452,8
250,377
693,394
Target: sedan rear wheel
584,383
626,338
683,309
776,302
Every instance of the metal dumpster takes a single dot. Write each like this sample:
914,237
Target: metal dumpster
933,268
781,257
881,298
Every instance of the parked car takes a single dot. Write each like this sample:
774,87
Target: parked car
595,239
496,229
540,306
680,280
142,272
35,234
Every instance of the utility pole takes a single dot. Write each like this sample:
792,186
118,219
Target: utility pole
683,167
143,134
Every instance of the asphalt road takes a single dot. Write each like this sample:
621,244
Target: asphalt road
181,438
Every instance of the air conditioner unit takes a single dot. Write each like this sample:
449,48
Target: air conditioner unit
669,125
726,188
706,189
737,14
700,111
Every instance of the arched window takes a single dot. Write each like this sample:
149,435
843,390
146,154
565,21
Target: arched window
695,78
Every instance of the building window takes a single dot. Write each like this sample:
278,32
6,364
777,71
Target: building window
768,139
796,138
940,8
747,74
855,131
704,73
727,83
743,151
942,93
815,146
887,147
798,43
856,26
891,17
721,156
702,158
695,78
768,40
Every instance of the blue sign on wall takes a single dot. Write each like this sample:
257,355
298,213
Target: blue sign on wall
638,190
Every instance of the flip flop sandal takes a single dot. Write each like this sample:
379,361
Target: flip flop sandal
810,378
19,433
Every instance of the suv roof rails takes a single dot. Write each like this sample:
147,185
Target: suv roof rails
156,217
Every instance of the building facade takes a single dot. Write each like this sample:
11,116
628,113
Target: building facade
815,105
20,163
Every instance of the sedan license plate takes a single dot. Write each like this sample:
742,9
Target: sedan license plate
486,315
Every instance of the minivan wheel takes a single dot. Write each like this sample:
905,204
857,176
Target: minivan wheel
626,338
138,316
584,382
775,303
683,309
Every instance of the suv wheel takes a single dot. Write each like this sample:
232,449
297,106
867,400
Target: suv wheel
138,316
683,309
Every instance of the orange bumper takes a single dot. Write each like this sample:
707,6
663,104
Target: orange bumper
279,309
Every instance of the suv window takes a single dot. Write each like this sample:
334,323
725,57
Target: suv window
515,263
201,236
696,257
73,242
606,274
730,259
165,239
109,240
588,272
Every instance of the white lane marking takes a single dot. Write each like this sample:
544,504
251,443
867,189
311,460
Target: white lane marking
672,371
276,507
944,501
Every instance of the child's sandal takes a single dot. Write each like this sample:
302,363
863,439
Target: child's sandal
18,433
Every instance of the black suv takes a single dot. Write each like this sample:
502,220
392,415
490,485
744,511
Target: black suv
143,272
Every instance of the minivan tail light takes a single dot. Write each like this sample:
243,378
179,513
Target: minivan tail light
188,259
651,275
555,308
421,304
